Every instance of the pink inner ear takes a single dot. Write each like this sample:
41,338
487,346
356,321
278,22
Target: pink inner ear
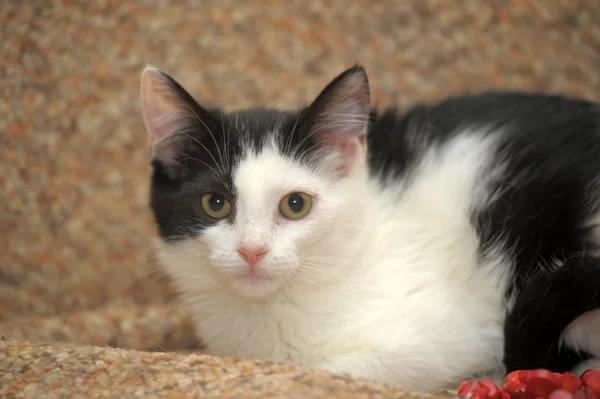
167,152
349,149
159,106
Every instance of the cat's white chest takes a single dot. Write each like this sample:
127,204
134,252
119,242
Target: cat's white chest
282,331
426,316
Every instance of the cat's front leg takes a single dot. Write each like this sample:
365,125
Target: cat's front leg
355,365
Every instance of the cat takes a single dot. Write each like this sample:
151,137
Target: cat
457,239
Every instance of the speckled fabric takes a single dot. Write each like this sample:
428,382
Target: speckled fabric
64,370
157,328
76,258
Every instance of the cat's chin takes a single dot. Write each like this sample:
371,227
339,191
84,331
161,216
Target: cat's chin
254,285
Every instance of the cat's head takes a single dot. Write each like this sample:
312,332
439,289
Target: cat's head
257,200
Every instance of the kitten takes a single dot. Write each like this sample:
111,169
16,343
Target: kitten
460,239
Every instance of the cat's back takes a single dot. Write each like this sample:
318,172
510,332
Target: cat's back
522,121
522,170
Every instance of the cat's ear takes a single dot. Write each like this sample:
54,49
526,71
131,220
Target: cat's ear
339,118
173,119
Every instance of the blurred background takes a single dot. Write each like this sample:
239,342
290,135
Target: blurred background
76,258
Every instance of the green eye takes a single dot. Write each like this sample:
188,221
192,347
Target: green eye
295,205
215,205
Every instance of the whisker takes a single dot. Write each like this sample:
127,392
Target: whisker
211,135
225,137
298,120
291,135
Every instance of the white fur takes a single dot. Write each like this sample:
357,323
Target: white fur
379,281
583,334
589,364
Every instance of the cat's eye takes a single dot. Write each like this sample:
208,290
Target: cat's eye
215,205
295,205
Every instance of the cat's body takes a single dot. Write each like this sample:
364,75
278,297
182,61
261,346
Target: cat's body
453,241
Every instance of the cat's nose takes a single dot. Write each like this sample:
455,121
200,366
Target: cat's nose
252,255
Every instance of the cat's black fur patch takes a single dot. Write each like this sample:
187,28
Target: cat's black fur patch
542,310
550,146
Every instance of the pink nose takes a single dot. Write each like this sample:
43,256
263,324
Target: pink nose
252,255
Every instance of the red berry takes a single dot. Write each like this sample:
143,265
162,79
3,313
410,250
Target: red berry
514,376
536,384
493,390
561,394
473,389
479,391
541,373
465,388
591,379
584,392
516,389
570,382
540,386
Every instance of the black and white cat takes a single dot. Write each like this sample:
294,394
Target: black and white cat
460,239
